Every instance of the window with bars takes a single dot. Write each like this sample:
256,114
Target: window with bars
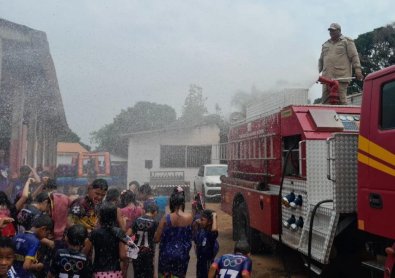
183,156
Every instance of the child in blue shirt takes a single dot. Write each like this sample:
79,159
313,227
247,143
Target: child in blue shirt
238,264
27,245
206,244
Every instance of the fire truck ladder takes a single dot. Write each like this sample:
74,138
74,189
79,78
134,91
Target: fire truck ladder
252,148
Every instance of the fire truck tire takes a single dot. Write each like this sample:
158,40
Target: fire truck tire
238,225
242,229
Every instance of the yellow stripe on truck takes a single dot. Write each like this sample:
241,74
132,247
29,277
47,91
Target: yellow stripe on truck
375,150
361,224
375,164
363,144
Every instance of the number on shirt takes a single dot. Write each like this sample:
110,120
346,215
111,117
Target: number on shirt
232,273
142,235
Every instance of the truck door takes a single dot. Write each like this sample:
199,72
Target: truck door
376,156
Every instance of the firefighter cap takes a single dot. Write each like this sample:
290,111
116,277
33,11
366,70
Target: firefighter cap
334,26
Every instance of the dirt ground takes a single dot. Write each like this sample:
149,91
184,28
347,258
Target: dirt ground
282,262
264,265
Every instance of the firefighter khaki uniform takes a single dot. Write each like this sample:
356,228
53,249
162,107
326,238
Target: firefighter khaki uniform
336,61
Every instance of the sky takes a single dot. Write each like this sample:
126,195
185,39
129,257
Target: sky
109,55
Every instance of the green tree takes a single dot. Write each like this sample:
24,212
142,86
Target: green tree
376,50
194,107
68,136
142,116
71,137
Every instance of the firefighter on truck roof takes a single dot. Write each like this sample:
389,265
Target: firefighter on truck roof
338,57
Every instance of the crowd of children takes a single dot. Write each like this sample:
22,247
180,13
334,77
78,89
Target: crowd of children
45,233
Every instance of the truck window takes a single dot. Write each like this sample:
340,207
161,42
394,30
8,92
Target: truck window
216,171
292,165
388,106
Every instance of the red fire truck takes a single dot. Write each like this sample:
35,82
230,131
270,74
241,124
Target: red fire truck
307,175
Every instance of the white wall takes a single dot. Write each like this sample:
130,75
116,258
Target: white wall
147,147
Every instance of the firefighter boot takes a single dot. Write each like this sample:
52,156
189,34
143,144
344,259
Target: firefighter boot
290,221
288,198
298,224
297,202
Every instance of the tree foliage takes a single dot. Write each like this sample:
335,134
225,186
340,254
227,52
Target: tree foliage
377,48
376,51
142,116
194,107
71,137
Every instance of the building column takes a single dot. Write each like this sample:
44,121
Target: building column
18,129
32,140
1,58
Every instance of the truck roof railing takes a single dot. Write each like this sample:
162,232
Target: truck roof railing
258,147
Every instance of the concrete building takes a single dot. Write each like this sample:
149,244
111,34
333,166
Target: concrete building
31,109
180,148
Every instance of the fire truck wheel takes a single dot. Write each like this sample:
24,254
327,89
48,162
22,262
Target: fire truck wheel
238,221
242,229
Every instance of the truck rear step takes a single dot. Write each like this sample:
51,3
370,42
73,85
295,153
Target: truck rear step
317,270
374,266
